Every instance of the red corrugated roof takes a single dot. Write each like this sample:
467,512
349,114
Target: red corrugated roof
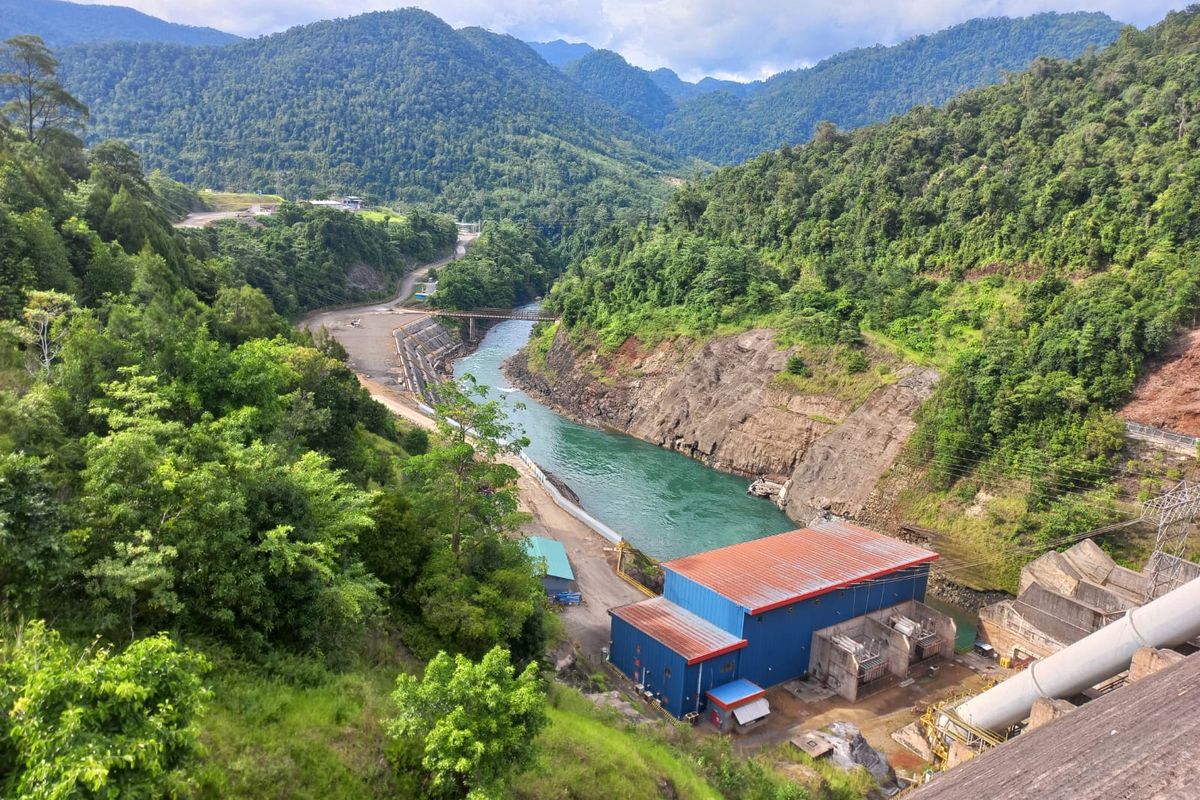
691,636
776,570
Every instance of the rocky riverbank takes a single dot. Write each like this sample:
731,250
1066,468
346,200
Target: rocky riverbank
719,402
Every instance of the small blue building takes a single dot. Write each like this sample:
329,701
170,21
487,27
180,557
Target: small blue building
672,655
557,575
766,597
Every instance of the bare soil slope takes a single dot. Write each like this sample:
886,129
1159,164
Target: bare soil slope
1168,396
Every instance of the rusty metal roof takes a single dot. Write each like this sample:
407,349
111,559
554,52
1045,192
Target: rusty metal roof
681,631
777,570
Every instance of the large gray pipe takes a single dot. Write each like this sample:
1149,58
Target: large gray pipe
1172,619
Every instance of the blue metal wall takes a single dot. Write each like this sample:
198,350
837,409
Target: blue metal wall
714,672
647,661
702,601
779,640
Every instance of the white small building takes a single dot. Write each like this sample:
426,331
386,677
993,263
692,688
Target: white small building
350,203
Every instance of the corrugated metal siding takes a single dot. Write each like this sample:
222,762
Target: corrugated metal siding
701,600
554,585
778,646
677,628
650,663
766,573
714,672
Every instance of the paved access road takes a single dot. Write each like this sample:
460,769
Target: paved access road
372,352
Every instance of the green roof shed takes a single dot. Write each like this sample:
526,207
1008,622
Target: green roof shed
554,554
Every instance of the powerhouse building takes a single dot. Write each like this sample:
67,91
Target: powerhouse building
748,612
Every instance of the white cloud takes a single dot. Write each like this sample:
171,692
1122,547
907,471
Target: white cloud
726,38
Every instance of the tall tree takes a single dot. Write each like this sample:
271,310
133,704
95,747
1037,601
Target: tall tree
463,477
46,314
38,104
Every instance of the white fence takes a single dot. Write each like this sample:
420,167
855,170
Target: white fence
1177,442
574,509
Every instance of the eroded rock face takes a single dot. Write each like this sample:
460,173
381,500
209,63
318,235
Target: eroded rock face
840,470
715,402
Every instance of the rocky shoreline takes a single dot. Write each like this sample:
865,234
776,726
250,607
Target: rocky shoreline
873,432
717,402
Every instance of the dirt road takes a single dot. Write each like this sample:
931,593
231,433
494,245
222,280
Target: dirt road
200,219
373,357
369,343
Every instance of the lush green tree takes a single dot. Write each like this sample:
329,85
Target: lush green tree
33,549
506,266
37,103
46,317
97,724
245,313
475,722
114,164
187,525
472,491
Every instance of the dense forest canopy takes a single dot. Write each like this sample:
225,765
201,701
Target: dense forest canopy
634,91
395,105
1044,230
725,122
175,457
506,267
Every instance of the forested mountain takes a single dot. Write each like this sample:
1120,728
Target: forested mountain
868,85
395,105
559,53
724,122
680,90
60,23
1036,239
624,87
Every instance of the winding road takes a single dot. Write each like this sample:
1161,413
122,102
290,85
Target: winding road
372,356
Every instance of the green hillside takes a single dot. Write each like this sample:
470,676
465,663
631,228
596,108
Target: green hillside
624,87
60,23
869,85
1037,240
394,105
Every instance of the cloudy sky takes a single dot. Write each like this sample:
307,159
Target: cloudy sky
743,39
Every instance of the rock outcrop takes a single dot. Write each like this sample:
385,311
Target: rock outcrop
839,471
716,402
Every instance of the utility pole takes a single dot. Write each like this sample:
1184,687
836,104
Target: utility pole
1174,513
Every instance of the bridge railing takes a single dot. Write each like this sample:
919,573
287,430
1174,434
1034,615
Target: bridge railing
1179,442
489,313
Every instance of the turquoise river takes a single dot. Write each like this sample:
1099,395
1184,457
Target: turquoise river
663,502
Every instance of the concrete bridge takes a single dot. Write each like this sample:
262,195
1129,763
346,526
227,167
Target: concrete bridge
482,313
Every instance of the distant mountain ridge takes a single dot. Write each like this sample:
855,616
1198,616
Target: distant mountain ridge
559,53
400,106
724,121
60,23
396,105
867,85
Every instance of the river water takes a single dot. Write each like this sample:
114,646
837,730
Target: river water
666,504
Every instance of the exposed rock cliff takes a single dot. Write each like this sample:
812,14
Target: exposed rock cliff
716,402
